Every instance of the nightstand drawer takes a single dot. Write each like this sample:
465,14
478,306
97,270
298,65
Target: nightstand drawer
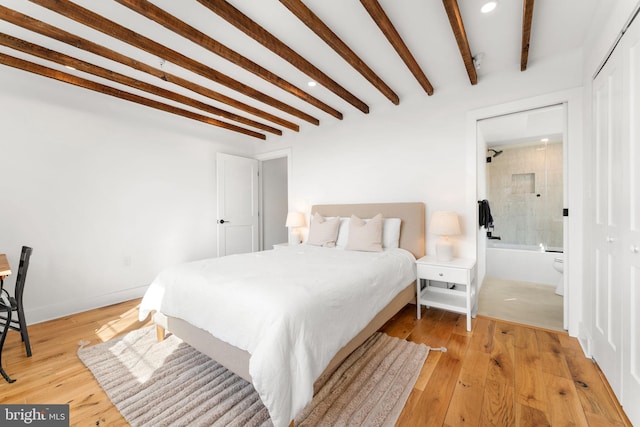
443,274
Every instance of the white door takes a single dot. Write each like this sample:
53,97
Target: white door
237,179
631,242
607,121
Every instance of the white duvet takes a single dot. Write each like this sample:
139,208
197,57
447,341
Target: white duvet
292,309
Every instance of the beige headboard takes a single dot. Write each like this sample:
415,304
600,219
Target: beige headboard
412,215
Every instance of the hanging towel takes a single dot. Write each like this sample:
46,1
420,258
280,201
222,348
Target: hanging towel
484,214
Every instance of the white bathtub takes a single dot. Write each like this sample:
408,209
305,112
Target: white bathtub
522,263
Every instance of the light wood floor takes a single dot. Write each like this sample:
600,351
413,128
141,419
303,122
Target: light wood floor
501,374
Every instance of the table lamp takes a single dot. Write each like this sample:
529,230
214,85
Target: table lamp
295,220
444,224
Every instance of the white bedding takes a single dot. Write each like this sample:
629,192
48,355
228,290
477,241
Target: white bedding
292,309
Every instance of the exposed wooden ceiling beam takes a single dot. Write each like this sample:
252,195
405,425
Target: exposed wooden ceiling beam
68,61
527,19
268,40
99,23
314,23
386,26
172,23
117,93
457,26
47,30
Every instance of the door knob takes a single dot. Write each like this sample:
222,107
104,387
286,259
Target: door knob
222,221
610,239
634,249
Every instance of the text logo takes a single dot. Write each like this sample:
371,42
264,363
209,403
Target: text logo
34,415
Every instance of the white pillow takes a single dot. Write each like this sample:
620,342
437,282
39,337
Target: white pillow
365,235
390,232
323,232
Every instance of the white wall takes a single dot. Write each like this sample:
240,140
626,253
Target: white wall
416,151
105,191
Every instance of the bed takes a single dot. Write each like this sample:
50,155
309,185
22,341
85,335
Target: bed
301,326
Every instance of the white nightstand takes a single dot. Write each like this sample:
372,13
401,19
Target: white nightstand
280,245
461,294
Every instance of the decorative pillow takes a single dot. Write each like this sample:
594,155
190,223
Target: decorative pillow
323,232
365,235
390,232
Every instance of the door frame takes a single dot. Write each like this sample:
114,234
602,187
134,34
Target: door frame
574,156
278,154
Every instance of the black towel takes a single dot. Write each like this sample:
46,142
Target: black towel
484,214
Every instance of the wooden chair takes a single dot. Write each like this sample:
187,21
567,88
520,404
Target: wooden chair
20,323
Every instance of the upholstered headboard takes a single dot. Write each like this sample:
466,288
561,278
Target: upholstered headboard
412,214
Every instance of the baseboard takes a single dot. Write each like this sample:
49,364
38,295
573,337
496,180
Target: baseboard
68,307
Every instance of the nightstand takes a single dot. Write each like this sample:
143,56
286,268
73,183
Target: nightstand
459,294
280,245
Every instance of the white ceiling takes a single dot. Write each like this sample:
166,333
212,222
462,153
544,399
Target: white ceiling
558,26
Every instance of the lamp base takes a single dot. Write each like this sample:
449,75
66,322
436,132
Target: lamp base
444,250
294,238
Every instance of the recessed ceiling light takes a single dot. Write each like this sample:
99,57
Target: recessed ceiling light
544,140
489,6
311,83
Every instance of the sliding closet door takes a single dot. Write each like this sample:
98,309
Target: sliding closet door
631,290
607,119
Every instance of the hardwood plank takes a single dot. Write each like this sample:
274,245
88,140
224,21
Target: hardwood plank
251,28
483,331
564,403
466,402
497,405
501,367
595,397
552,354
442,383
401,325
529,383
530,417
54,374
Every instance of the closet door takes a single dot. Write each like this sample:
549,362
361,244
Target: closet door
631,290
607,120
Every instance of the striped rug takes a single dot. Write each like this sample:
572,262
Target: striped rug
171,384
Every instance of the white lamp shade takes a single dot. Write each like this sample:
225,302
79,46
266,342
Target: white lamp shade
444,223
295,219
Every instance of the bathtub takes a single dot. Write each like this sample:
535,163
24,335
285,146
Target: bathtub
522,263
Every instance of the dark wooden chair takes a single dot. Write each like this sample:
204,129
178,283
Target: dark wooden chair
20,323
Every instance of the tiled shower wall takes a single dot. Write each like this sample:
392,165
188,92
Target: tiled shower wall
525,194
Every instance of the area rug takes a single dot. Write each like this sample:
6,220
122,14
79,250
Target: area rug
171,384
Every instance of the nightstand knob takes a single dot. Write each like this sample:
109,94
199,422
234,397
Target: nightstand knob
440,274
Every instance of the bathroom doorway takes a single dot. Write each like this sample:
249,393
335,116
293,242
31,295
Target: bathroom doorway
523,184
